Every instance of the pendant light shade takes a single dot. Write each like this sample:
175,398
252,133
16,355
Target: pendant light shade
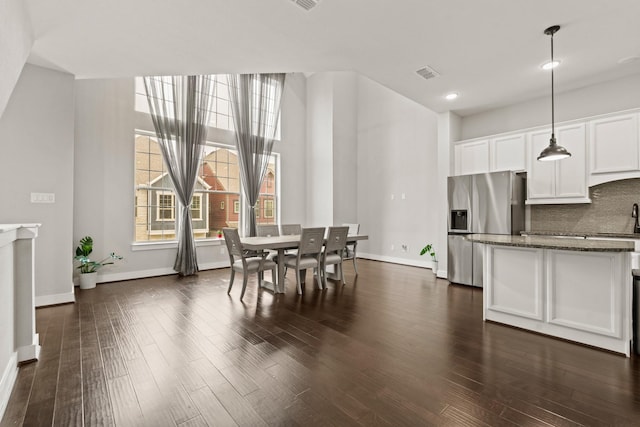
553,151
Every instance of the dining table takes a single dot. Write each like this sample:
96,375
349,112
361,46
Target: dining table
281,244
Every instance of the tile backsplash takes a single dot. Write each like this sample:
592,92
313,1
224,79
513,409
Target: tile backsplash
608,212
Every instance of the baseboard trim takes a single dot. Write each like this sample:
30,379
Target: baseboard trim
395,260
44,300
30,352
442,274
7,381
138,274
141,274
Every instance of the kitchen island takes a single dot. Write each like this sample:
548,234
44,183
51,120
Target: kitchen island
575,289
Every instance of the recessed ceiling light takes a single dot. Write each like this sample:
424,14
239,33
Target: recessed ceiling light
451,96
549,65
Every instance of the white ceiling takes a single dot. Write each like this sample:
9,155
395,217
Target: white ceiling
487,50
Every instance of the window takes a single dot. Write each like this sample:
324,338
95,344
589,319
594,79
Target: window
268,208
217,197
166,206
196,207
267,198
220,115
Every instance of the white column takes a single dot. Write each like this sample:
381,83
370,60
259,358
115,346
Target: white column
27,341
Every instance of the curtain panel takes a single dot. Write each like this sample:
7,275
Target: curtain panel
255,104
179,107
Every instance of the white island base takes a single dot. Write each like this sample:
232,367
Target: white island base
582,296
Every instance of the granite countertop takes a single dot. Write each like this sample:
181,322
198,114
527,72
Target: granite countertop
576,234
547,242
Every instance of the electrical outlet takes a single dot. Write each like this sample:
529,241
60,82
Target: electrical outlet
392,247
403,196
392,197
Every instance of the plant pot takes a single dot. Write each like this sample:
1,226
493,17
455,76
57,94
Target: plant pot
88,280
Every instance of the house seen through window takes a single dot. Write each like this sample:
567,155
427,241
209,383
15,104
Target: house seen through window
218,196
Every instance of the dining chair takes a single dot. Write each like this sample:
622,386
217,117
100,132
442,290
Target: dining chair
350,253
308,256
267,230
291,229
245,262
333,252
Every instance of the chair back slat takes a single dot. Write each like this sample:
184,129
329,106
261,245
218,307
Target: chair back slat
267,230
337,239
311,241
291,229
232,239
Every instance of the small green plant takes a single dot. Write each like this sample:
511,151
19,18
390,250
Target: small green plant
429,250
83,251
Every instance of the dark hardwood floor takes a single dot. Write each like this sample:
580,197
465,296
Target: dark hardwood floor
396,347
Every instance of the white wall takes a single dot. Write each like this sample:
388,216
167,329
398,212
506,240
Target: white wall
292,149
105,124
16,39
345,147
397,153
36,139
616,95
319,160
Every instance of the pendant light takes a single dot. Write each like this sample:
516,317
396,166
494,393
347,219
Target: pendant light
553,151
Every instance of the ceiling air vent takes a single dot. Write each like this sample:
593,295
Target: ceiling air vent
306,4
428,72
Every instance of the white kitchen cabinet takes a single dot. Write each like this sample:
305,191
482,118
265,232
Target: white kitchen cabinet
471,157
562,181
507,153
614,147
581,296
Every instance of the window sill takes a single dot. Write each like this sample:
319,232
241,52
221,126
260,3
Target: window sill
172,244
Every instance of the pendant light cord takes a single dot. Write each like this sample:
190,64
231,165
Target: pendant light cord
553,127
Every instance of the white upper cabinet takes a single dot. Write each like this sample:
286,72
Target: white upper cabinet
613,144
507,153
471,157
541,176
490,155
561,181
604,148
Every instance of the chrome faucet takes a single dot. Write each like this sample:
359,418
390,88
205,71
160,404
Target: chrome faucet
634,214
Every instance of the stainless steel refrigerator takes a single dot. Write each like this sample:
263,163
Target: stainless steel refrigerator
488,203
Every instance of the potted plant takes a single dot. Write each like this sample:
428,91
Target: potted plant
88,268
429,250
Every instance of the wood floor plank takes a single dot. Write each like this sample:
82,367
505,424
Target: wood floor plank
211,410
394,347
126,411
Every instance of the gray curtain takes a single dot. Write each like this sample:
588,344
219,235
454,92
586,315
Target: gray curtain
255,103
179,107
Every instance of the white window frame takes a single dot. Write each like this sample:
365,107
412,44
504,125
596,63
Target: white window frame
267,203
160,193
199,197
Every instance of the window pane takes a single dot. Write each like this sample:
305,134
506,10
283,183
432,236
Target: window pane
220,115
268,202
155,200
